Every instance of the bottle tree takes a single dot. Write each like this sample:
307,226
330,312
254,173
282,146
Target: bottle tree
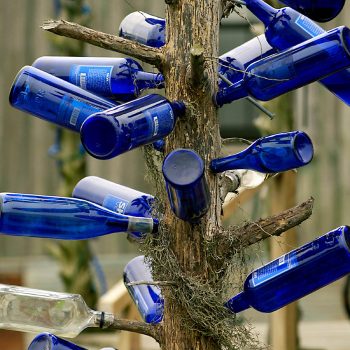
191,261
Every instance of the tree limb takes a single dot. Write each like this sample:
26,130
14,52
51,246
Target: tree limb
154,331
106,41
197,66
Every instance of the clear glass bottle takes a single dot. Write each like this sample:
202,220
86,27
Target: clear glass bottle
186,185
286,28
120,78
64,218
296,274
270,154
33,310
115,197
293,68
147,297
53,99
133,124
318,10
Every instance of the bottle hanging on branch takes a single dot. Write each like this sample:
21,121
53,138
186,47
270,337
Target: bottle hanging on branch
33,310
187,188
133,124
286,28
122,79
296,274
53,99
288,70
318,10
64,218
147,297
115,197
270,154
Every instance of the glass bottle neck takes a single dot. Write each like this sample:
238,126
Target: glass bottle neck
261,10
100,319
146,80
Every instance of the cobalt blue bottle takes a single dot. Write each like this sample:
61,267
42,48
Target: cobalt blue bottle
120,78
146,297
143,28
286,28
115,197
318,10
53,99
270,154
296,274
48,341
293,68
136,123
188,192
64,218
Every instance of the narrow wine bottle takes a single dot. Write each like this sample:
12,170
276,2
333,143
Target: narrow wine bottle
147,297
64,218
318,10
270,154
296,274
286,28
188,192
48,341
120,78
34,310
115,197
136,123
53,99
293,68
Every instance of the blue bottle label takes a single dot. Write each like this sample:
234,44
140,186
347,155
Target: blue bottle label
309,26
92,78
162,120
115,204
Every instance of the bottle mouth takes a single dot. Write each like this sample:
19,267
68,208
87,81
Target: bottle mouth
99,136
18,84
303,147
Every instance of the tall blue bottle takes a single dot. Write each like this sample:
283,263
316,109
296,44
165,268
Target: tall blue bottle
64,218
119,78
270,154
146,297
296,274
286,28
318,10
186,185
53,99
293,68
115,197
136,123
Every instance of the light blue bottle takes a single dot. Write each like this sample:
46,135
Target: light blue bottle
147,298
64,218
53,99
120,78
115,197
293,68
270,154
296,274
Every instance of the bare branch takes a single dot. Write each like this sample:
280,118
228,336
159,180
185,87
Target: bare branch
106,41
154,331
197,66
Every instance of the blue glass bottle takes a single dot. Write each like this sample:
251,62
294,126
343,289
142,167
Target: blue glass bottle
288,70
119,78
318,10
296,274
53,99
115,197
64,218
136,123
188,192
143,28
270,154
286,28
147,298
48,341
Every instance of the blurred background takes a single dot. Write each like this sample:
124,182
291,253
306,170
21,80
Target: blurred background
27,166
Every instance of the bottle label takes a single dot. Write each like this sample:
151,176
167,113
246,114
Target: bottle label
309,26
92,78
115,204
